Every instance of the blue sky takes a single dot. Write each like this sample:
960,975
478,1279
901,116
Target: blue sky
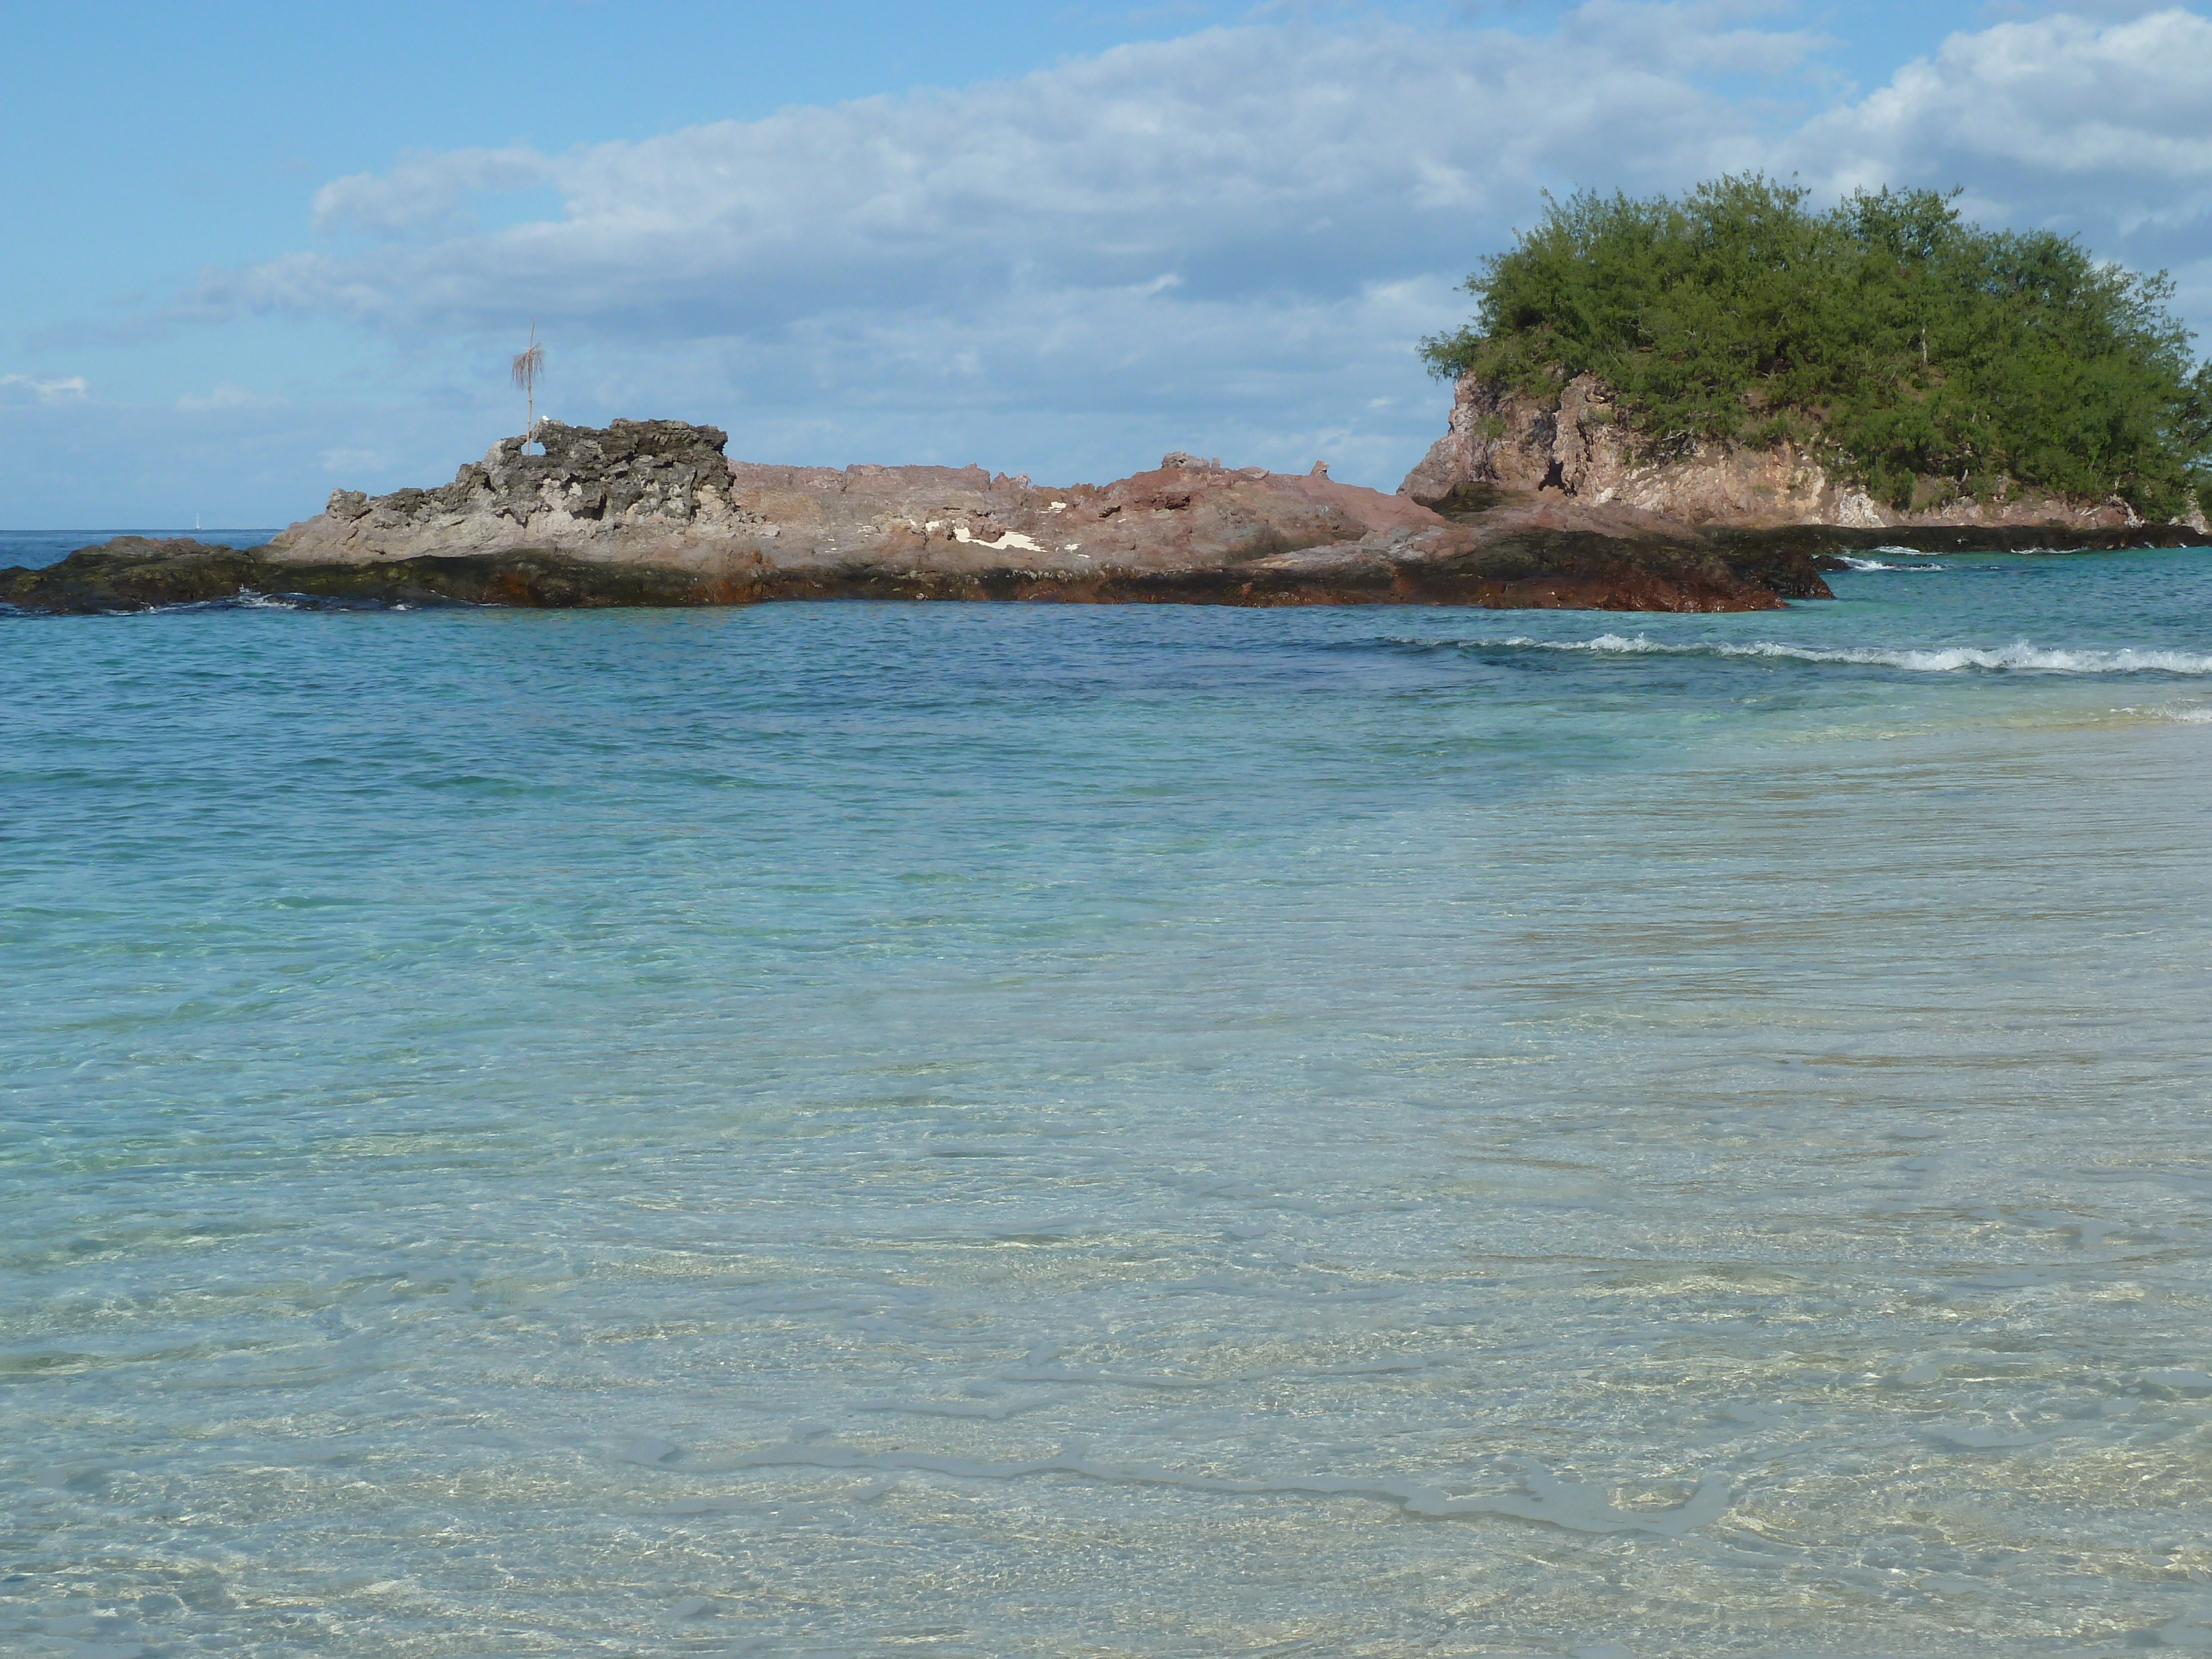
261,251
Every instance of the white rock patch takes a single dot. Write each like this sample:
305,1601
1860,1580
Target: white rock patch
1856,507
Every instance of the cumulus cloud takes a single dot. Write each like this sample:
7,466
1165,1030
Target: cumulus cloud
1239,160
2102,128
1244,232
1230,240
2044,106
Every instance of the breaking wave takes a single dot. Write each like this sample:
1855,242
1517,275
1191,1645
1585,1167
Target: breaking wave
2020,656
247,599
2196,714
1851,563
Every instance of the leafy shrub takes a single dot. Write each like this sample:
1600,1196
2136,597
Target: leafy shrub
1898,341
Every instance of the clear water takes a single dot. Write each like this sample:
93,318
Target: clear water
995,1130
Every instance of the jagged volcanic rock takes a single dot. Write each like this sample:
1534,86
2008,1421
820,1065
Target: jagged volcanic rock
650,512
660,493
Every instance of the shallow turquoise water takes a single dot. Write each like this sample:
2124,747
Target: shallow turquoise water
844,1129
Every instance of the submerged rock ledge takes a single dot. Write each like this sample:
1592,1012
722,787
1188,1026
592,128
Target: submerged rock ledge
650,512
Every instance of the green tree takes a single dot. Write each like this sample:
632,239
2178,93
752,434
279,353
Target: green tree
1912,350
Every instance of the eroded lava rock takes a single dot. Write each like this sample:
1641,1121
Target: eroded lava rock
650,512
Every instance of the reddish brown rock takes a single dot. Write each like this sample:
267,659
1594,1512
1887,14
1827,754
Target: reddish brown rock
649,513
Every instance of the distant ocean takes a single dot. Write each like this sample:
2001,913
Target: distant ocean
1010,1130
34,548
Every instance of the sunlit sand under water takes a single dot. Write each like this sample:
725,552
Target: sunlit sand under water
1027,1131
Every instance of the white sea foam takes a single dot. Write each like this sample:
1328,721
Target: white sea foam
2181,713
2020,655
1891,552
1877,565
246,598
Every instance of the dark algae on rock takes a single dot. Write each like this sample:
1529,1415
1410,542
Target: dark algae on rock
133,573
1570,570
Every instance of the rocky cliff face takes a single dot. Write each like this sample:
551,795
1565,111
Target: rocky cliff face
1577,447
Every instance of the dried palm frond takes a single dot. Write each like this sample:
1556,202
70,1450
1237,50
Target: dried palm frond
528,367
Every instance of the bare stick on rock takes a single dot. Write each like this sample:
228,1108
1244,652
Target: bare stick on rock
529,366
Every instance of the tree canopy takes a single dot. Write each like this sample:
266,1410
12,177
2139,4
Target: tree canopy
1917,354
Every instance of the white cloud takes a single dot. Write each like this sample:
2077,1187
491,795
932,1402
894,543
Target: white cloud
68,389
1228,241
426,190
2103,129
2055,101
1244,231
1244,161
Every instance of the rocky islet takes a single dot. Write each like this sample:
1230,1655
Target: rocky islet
1523,504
